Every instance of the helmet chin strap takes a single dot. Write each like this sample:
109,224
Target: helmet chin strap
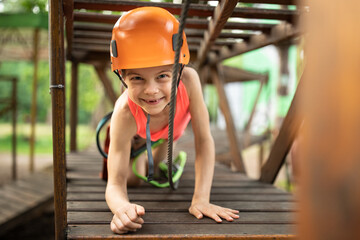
121,79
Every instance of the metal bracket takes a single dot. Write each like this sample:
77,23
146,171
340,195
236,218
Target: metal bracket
59,86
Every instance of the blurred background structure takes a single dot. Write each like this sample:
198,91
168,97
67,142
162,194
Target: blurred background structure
262,53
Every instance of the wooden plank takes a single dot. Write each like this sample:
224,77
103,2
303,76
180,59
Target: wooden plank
23,199
279,33
281,2
182,197
183,183
154,206
187,175
43,189
190,22
23,193
199,10
11,205
177,231
183,218
14,196
182,190
244,206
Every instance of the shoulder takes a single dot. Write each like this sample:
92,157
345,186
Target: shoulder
122,118
191,80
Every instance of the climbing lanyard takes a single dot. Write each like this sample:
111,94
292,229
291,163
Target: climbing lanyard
184,12
149,152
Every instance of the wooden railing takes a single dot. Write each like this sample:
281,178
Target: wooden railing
8,104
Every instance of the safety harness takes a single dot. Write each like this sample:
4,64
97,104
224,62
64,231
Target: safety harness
181,159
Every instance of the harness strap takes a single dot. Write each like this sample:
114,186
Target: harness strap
149,152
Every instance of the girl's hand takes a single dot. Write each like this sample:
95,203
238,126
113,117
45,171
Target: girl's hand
199,209
127,218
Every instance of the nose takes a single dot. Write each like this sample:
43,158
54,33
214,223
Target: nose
151,88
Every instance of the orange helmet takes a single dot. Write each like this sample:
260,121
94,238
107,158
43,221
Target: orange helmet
144,37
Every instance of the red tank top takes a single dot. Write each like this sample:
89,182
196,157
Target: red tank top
181,119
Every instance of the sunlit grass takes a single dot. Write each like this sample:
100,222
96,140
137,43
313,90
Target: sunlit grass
43,136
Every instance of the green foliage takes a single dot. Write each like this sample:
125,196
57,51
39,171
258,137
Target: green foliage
89,91
43,138
29,6
89,95
34,6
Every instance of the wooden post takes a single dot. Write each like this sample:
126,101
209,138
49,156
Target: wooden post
235,148
284,140
110,93
74,106
57,90
329,150
14,112
34,97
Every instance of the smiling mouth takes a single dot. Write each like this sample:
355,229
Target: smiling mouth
153,101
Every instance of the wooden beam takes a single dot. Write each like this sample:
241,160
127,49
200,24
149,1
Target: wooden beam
57,90
92,35
235,149
199,10
74,106
68,6
110,93
196,33
280,32
232,74
190,22
284,140
280,2
221,14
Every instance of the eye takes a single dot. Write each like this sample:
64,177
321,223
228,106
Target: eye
164,75
136,78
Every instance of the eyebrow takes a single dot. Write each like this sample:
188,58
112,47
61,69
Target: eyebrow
163,71
160,72
132,73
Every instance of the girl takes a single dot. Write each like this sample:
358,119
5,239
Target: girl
142,55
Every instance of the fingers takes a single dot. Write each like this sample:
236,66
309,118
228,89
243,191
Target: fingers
194,211
118,227
139,210
215,212
127,219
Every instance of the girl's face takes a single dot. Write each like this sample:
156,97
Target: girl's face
150,88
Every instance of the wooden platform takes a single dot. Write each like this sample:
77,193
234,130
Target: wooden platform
24,199
265,212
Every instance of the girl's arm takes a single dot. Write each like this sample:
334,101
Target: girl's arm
127,216
205,153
